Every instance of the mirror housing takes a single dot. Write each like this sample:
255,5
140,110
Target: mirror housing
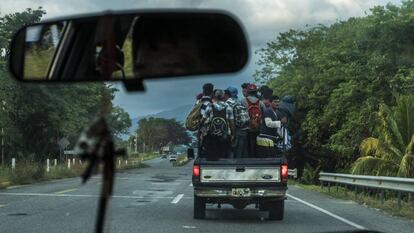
129,46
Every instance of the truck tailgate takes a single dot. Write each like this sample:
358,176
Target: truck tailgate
239,173
244,170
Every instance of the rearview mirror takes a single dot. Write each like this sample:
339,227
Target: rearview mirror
129,46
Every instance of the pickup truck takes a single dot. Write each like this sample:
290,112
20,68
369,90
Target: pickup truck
241,182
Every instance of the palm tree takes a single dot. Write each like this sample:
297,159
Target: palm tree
392,152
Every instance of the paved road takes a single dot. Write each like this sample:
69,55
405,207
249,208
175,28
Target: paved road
159,199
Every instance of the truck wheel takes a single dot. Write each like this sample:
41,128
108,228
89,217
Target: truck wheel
199,208
276,210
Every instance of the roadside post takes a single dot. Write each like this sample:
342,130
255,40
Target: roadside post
136,143
13,163
47,165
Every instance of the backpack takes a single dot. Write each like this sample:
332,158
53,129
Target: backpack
218,125
193,121
255,114
241,116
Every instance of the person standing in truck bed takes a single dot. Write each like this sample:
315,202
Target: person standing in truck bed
270,130
219,119
241,123
206,101
255,108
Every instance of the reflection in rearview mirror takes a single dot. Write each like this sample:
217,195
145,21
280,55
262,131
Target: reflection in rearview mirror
40,47
129,46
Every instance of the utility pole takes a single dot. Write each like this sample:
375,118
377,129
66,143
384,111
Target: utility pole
2,146
2,134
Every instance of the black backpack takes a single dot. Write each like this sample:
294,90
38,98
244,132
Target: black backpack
219,126
241,116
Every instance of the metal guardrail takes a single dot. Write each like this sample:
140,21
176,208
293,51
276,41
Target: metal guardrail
293,173
381,183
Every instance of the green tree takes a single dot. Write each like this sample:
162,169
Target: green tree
9,89
391,152
119,121
339,75
11,22
158,132
35,117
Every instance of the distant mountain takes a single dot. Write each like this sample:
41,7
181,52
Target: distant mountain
179,113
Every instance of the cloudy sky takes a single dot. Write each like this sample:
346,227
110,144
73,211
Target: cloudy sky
262,19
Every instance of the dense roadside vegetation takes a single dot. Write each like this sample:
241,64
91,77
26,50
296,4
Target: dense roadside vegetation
391,151
352,81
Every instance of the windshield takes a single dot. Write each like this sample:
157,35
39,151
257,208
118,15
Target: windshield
315,134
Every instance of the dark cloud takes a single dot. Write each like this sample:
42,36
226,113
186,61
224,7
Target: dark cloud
263,19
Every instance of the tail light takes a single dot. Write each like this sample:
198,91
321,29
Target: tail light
284,172
196,171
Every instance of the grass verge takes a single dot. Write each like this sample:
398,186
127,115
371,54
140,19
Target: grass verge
372,199
28,173
181,160
143,156
148,156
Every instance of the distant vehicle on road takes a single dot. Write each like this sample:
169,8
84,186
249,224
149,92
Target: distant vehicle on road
172,158
164,156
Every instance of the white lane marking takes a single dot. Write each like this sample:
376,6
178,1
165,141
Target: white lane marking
134,179
189,227
327,212
81,195
165,184
66,191
16,186
151,192
177,198
191,184
86,195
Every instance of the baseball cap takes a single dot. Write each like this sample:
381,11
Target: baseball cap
251,87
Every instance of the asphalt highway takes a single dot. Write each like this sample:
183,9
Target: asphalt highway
160,199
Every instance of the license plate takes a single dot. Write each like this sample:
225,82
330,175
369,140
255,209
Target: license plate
240,192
